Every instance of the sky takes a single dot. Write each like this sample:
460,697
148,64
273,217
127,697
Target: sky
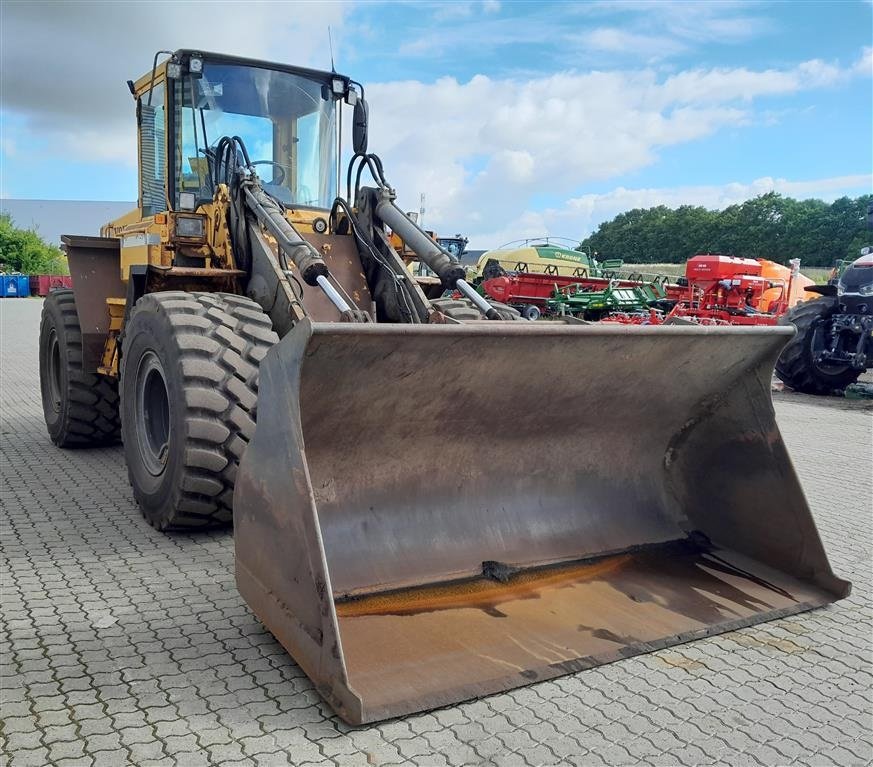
516,119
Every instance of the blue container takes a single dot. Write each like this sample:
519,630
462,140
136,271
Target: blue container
14,286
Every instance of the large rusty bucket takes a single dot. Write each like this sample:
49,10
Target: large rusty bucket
431,513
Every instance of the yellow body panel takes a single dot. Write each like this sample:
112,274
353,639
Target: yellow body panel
109,363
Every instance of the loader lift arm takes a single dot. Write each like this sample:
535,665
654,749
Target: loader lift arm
380,203
375,208
264,213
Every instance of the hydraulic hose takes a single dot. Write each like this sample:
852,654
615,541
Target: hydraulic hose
232,166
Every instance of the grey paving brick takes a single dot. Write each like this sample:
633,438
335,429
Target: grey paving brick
67,750
23,741
214,736
116,758
37,757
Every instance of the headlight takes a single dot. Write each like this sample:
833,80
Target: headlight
861,290
190,227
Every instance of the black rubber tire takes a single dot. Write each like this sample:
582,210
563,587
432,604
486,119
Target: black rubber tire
80,409
183,443
463,310
796,366
531,312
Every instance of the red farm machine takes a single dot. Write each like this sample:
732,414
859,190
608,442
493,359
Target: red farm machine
534,294
723,290
716,290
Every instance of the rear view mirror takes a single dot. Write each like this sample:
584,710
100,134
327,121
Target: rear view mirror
360,122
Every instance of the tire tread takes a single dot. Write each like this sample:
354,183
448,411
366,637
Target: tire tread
221,339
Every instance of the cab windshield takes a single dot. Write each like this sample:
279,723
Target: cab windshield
286,121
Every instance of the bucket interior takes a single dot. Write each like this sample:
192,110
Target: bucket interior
416,647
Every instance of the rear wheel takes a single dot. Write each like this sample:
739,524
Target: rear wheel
796,366
189,382
80,409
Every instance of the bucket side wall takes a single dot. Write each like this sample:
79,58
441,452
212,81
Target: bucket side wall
734,475
279,555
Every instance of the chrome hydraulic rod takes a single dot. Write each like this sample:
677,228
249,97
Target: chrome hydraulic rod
469,292
306,258
331,292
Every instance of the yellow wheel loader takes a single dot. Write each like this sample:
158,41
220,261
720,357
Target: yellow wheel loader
266,357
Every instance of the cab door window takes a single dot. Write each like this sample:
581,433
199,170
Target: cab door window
152,149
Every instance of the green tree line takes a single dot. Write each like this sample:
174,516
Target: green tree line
23,250
770,226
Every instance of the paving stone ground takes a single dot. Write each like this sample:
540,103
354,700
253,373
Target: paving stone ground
121,645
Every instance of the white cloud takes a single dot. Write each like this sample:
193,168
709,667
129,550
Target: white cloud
70,86
647,46
452,11
484,150
864,65
587,211
8,146
587,34
725,85
579,216
696,23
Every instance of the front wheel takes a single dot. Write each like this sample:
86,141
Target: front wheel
189,389
797,366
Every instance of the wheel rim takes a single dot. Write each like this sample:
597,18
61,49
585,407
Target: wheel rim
152,414
54,377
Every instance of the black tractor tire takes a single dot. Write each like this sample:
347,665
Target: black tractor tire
80,409
796,366
463,310
189,392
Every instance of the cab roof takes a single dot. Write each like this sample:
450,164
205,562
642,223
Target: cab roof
318,75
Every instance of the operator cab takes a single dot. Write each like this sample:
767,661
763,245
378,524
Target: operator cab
858,277
285,116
